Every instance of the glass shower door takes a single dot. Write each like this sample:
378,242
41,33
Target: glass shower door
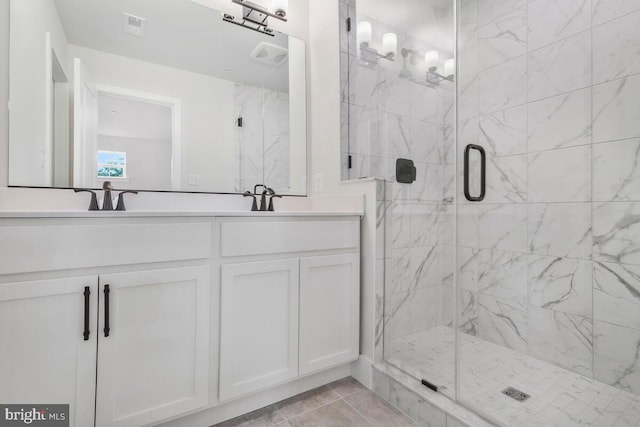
548,264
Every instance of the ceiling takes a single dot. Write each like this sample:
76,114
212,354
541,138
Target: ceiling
430,21
130,118
179,34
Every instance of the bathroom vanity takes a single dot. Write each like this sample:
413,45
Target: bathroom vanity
159,315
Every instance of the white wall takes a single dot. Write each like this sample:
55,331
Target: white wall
324,163
148,162
30,69
207,123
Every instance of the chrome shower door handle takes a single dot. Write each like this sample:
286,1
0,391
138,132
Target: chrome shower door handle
483,173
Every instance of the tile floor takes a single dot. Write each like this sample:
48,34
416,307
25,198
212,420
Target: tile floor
558,397
344,403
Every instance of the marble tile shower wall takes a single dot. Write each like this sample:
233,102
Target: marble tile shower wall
385,117
262,143
549,263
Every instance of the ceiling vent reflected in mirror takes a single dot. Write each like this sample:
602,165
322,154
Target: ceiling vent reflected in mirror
270,54
134,25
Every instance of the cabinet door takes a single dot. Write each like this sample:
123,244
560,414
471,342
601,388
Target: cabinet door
44,357
329,311
153,362
258,326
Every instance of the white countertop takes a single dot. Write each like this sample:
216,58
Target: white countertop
133,214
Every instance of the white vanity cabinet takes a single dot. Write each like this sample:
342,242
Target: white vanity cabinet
138,321
329,302
289,300
148,334
258,325
153,363
45,355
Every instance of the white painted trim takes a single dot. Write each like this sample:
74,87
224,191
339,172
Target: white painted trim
362,370
176,123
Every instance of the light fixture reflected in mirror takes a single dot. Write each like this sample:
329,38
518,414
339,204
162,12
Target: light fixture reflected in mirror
256,18
370,55
432,64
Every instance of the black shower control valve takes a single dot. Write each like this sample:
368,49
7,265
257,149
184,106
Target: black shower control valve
405,171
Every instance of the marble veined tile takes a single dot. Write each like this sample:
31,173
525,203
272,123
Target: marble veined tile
615,48
503,227
617,358
495,10
425,104
425,141
394,93
616,294
605,10
560,229
551,20
503,86
395,135
503,39
466,222
503,133
561,338
561,284
503,274
468,312
616,171
503,322
616,110
561,67
468,83
506,179
362,87
616,232
560,121
467,268
562,175
363,130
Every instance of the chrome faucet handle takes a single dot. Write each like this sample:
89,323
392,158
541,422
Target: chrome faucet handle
120,206
93,204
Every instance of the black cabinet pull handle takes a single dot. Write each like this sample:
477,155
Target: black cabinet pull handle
106,310
87,293
483,173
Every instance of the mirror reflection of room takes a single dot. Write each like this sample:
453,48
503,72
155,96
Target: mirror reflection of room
152,97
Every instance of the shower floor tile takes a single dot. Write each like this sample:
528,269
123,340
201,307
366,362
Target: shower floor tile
558,397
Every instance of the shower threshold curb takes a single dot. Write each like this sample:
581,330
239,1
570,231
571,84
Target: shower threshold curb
421,403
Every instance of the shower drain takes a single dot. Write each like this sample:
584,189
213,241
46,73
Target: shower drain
515,394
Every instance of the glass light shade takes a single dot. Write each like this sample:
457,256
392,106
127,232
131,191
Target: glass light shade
280,7
432,59
389,44
449,67
364,32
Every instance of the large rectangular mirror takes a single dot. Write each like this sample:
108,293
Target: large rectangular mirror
152,95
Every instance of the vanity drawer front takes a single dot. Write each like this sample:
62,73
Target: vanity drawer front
26,249
244,238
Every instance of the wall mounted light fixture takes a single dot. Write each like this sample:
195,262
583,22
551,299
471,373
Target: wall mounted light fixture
256,18
370,55
432,63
